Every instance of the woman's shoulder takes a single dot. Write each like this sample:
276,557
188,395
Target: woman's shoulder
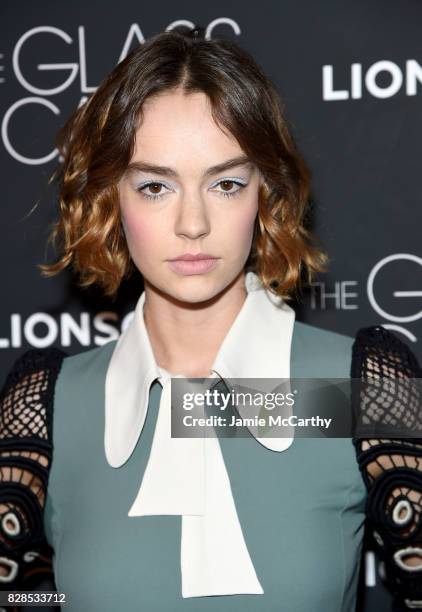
28,392
89,363
373,342
48,362
312,334
386,387
318,352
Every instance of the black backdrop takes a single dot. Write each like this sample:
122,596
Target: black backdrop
351,77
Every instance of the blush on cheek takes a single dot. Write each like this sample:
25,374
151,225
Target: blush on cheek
136,229
146,237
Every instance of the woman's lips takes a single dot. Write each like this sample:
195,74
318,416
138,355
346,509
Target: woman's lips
200,266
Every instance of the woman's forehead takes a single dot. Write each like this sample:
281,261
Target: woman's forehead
170,117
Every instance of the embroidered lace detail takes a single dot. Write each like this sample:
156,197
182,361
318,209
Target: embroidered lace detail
391,466
26,412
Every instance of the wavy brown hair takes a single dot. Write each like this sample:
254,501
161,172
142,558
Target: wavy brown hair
97,142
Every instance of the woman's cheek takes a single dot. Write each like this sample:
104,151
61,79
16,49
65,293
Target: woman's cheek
138,230
147,243
245,226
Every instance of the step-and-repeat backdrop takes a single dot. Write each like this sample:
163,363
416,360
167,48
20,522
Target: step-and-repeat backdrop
350,74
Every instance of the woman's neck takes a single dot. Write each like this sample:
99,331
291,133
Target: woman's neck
185,338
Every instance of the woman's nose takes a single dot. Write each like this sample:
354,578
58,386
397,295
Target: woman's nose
192,219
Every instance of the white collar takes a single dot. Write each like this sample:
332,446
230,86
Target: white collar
258,345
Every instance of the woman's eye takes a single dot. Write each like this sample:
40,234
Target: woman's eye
227,187
155,189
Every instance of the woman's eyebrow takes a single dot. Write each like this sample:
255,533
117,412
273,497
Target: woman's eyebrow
142,166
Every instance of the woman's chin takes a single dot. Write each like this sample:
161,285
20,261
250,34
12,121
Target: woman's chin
196,289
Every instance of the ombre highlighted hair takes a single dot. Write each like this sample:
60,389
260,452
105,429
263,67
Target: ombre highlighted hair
97,142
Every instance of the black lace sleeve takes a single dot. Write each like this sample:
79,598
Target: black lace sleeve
391,466
26,412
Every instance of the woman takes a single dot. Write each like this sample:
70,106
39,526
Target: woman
182,165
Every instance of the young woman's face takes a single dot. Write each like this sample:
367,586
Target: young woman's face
174,201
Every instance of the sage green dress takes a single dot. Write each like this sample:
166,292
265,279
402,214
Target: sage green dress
302,511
